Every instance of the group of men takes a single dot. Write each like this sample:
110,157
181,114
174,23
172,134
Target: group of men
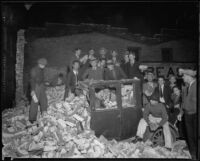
155,100
166,102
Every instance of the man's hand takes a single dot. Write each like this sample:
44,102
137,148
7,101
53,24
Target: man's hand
177,106
32,93
136,78
153,126
47,83
34,97
147,93
179,117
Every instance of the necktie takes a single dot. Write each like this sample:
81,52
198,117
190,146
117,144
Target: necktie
161,92
76,79
114,74
187,90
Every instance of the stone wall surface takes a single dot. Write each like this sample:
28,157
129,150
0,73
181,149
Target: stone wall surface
19,67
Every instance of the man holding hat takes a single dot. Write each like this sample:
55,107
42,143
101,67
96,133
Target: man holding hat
154,116
114,72
190,109
38,90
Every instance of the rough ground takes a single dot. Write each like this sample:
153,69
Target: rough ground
64,133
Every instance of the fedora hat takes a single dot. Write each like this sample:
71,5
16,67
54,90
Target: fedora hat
189,72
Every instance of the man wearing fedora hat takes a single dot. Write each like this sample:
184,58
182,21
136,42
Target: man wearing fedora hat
114,72
94,72
154,116
148,87
189,108
38,94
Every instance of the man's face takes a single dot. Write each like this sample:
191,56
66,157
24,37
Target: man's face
102,51
131,56
76,66
41,66
176,91
114,53
149,77
126,58
59,80
91,52
161,81
103,62
110,66
186,78
78,52
94,63
172,79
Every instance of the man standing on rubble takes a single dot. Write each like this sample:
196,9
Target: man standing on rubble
38,90
72,79
154,116
190,109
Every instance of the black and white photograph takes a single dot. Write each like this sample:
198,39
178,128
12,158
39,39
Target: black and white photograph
107,79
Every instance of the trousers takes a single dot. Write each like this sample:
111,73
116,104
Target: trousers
191,133
166,130
42,101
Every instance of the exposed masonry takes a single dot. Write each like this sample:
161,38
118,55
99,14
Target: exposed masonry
19,67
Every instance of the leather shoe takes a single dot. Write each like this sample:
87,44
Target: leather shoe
169,149
137,139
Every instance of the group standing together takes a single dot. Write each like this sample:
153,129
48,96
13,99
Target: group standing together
164,100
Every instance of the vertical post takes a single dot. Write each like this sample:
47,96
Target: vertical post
19,65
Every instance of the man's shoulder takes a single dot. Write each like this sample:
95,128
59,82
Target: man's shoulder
34,69
194,84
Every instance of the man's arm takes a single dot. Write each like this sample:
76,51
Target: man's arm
85,74
122,73
68,79
164,115
146,113
106,74
33,79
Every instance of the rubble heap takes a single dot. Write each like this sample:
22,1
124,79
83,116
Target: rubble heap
65,133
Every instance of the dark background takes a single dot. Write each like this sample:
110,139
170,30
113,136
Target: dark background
144,17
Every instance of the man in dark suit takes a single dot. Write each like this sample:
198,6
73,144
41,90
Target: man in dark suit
164,93
75,56
37,82
125,62
133,67
72,79
114,72
190,109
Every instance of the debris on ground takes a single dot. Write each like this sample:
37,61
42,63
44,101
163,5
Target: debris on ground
64,132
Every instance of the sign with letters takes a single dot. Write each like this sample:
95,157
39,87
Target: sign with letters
165,69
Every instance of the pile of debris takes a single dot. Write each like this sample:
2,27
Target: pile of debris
65,133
